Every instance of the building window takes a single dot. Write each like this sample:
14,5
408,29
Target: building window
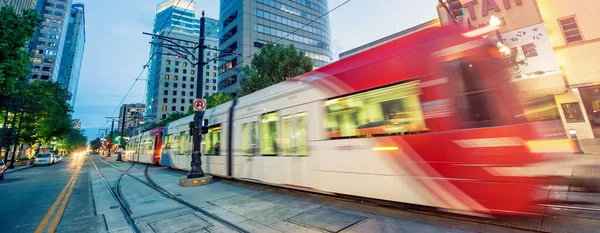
45,77
164,108
192,78
215,67
173,108
166,92
167,77
184,78
183,85
207,74
37,59
175,85
184,71
176,70
182,108
570,30
166,84
183,93
192,72
215,81
165,100
183,101
175,77
47,69
174,92
164,116
184,64
36,68
191,93
214,88
191,101
191,86
168,69
176,63
214,74
168,62
174,101
207,80
207,87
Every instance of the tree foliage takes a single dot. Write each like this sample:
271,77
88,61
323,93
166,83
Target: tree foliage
15,31
172,117
272,65
96,144
74,141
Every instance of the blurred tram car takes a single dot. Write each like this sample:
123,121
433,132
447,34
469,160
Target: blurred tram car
428,119
146,147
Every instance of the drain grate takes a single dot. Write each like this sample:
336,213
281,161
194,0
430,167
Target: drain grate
327,219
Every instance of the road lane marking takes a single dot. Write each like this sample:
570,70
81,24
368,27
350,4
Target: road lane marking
61,210
44,222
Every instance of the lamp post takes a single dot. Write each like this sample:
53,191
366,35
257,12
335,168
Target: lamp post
173,44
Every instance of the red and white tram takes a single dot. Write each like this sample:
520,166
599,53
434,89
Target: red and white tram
428,119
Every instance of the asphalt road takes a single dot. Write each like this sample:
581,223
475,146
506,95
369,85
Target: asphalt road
35,199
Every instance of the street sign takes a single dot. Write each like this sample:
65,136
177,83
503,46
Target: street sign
199,104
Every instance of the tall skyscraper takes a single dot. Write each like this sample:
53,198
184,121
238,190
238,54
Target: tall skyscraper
49,40
19,5
72,54
171,77
249,24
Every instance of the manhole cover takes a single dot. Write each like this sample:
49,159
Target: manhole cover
327,219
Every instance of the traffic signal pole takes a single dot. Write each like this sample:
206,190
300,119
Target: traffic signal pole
112,127
196,170
122,129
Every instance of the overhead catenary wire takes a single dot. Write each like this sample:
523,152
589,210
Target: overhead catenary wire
150,58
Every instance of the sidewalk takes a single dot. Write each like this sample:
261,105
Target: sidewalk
8,171
590,146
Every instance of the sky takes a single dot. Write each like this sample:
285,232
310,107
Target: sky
116,49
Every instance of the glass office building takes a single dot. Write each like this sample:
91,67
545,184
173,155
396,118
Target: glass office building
249,24
172,78
72,54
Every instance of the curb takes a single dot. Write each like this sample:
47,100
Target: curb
8,171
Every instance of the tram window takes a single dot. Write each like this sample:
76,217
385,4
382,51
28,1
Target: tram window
212,141
268,139
181,143
286,136
301,135
167,141
249,138
393,110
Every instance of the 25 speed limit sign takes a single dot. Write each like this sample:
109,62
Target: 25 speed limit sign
199,104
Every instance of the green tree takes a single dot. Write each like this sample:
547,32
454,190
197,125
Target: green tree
96,144
172,117
272,65
15,31
214,100
74,141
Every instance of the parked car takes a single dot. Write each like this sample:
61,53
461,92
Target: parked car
2,169
44,159
57,158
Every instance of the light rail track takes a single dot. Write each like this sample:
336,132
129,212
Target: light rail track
153,185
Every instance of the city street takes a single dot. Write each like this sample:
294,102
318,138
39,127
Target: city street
40,199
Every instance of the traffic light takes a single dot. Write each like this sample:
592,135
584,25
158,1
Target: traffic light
456,8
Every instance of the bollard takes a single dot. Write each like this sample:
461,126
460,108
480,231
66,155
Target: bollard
573,134
119,157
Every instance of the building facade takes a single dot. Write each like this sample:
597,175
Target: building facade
134,115
72,55
49,39
553,47
19,5
172,75
249,24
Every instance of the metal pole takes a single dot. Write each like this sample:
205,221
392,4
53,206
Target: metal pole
112,127
122,129
196,170
16,140
10,137
8,107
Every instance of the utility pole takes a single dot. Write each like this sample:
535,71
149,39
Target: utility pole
172,44
112,127
122,129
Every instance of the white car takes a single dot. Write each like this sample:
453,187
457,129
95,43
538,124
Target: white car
58,158
44,159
